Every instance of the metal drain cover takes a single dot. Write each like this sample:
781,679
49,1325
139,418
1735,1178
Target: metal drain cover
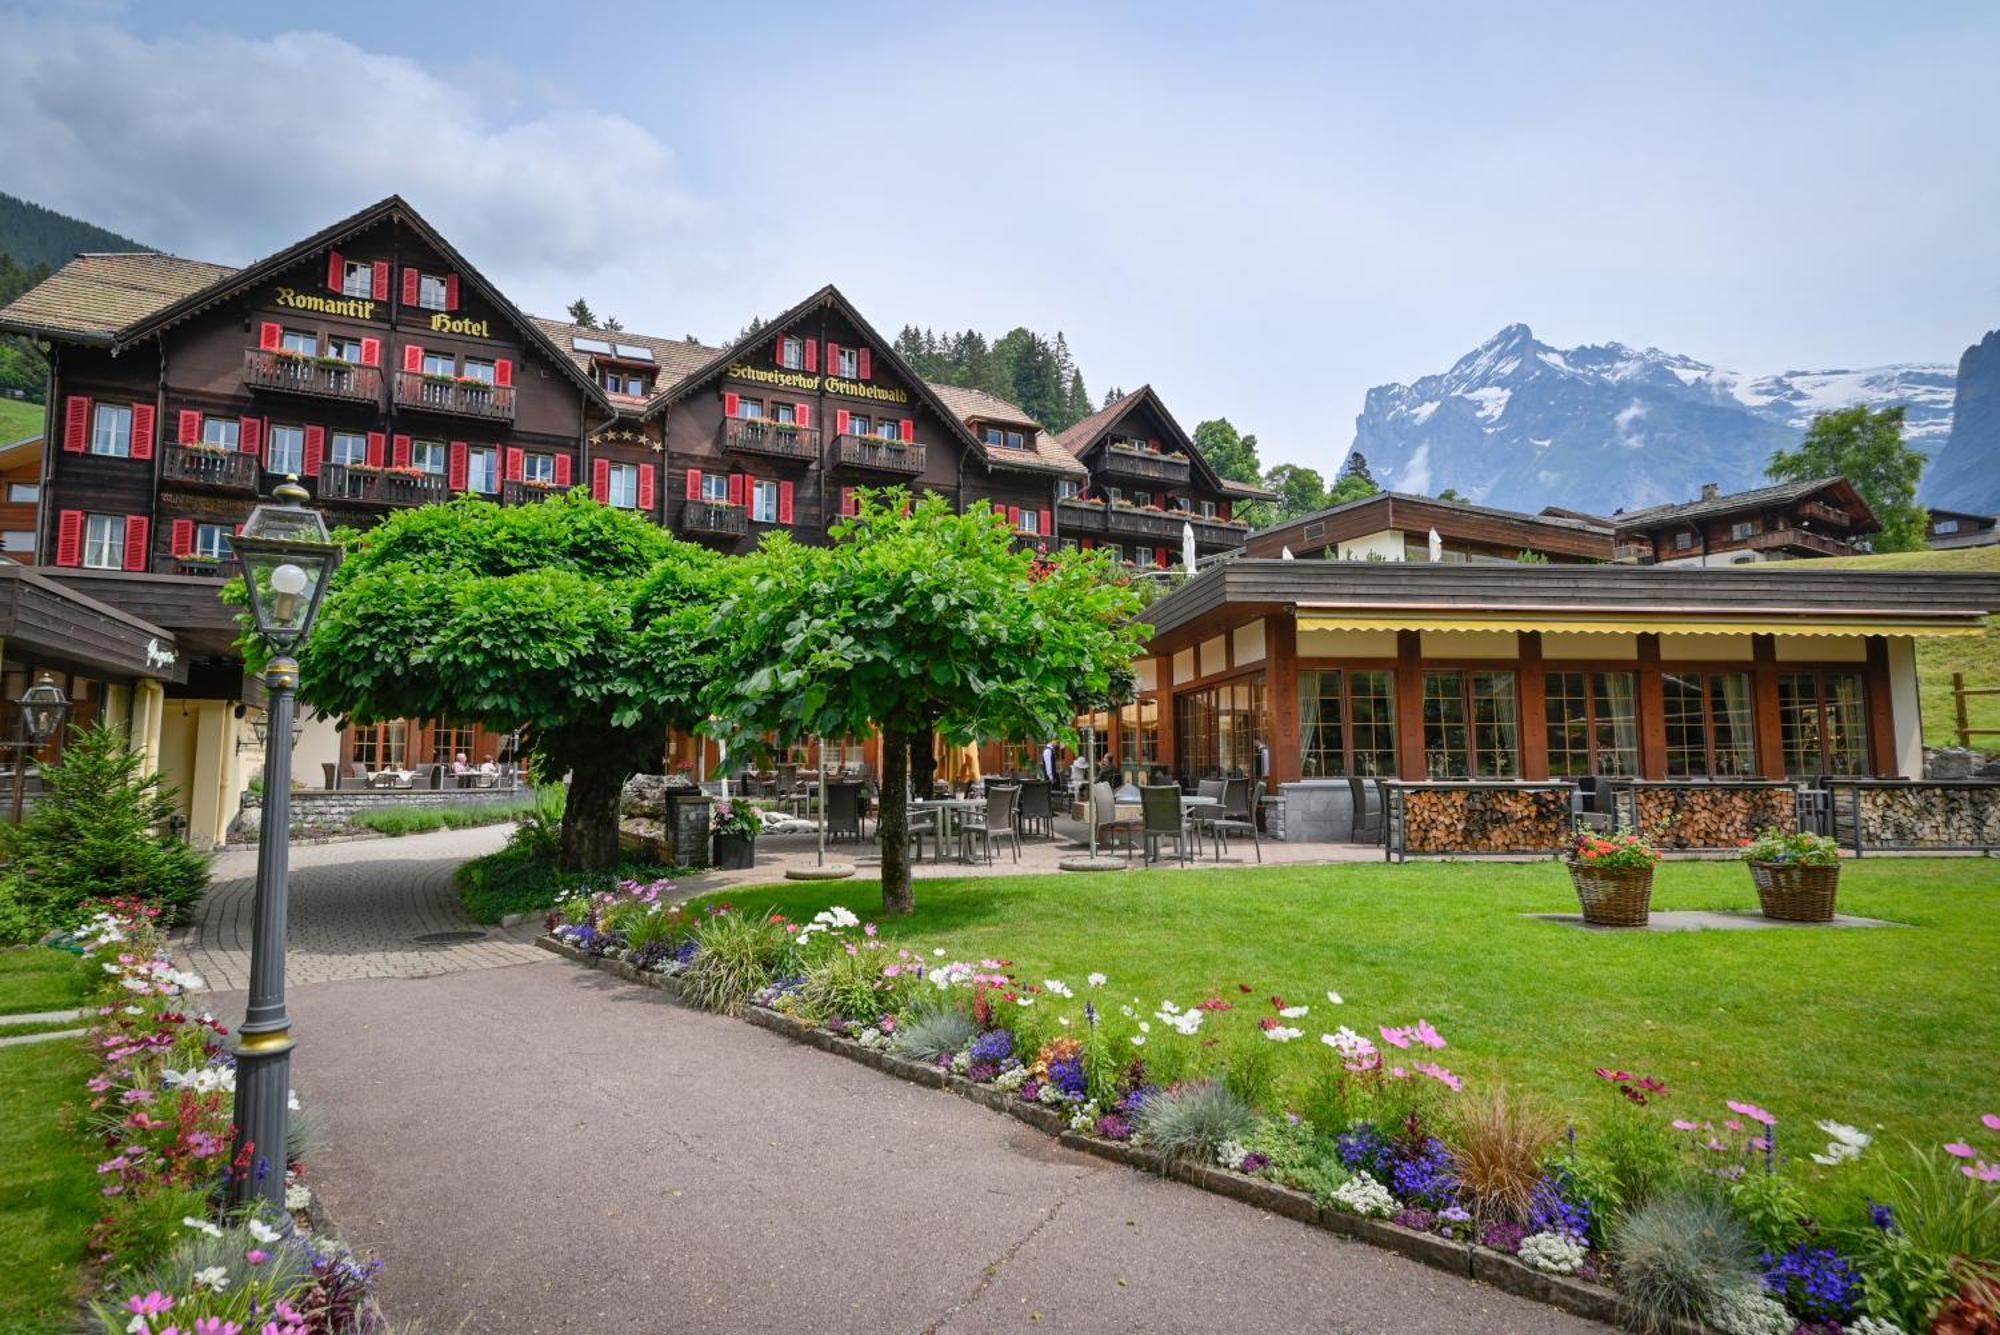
448,938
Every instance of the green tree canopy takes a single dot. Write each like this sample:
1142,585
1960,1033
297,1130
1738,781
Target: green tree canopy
1300,490
584,625
1232,455
581,314
915,619
1865,446
1453,494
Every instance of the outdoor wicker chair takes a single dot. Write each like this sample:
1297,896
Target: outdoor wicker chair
1104,814
1035,816
843,811
995,822
1238,816
1163,817
1367,810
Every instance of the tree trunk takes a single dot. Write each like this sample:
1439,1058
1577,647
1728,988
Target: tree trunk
894,827
590,816
923,761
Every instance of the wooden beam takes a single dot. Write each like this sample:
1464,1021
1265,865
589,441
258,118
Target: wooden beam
1409,704
1769,718
1281,695
1881,710
1533,708
1652,711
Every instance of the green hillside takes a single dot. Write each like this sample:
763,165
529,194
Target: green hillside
19,419
34,235
1937,659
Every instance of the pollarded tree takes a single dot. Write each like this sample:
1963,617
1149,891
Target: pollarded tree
583,625
916,617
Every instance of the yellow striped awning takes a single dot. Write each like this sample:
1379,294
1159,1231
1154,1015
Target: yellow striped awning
1668,622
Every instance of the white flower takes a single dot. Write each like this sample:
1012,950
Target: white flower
1279,1033
1553,1253
1847,1143
939,952
1011,1078
1294,1012
1024,1000
1057,987
1169,1008
1868,1325
1097,980
262,1231
297,1197
135,1010
292,1099
1180,1021
1063,1020
1128,1012
1231,1154
1145,1026
202,1226
1363,1195
213,1277
1748,1310
1333,998
1138,1040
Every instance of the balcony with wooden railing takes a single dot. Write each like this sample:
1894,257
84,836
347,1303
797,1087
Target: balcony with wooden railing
714,517
1219,532
879,455
458,397
1142,521
1138,462
1825,514
317,377
208,466
198,567
1632,553
1798,539
772,440
358,484
517,492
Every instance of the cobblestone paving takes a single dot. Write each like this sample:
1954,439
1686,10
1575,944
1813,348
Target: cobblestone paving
357,910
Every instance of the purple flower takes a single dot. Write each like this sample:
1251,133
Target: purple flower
1066,1074
1113,1127
1504,1237
1556,1207
1254,1163
1882,1216
992,1047
981,1072
1817,1283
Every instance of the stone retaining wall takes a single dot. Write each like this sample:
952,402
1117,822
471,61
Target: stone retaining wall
318,807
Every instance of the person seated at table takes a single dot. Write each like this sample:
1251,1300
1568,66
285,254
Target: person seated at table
458,765
488,767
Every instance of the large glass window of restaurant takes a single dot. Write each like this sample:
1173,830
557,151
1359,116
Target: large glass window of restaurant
1593,723
1823,720
379,746
285,450
1217,728
111,430
1347,723
1471,726
448,744
1139,740
1708,724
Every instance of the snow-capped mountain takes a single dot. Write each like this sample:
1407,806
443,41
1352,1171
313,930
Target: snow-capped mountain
1520,424
1965,474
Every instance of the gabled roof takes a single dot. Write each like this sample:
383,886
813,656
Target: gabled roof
1081,437
676,358
1782,493
95,296
1044,453
1390,499
140,295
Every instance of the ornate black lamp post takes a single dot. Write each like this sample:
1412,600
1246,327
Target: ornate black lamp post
286,557
43,709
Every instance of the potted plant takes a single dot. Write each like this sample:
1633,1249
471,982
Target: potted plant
1613,876
1797,875
735,827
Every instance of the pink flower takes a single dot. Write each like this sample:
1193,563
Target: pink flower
1981,1172
1615,1077
1426,1035
1399,1073
1682,1124
215,1325
256,1256
1441,1075
1399,1037
1957,1149
868,928
152,1304
1992,1121
1731,1124
1753,1112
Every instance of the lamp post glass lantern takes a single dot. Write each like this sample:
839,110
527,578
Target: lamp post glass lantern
286,557
43,709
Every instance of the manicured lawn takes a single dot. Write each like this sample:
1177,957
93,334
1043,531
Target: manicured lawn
19,419
34,978
48,1186
1891,1027
510,881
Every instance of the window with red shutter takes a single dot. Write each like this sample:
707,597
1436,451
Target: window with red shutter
736,488
378,442
600,481
503,372
693,484
840,420
732,404
1014,516
1046,527
250,435
413,357
867,364
847,500
315,450
909,429
336,273
138,545
562,470
803,414
517,464
1224,509
76,424
183,537
371,352
190,428
1089,543
1160,557
785,496
455,467
69,538
647,476
411,281
812,354
832,357
778,352
399,452
270,336
381,287
451,292
142,430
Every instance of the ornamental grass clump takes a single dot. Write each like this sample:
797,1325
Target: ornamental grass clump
934,1033
738,954
1679,1255
1193,1120
1498,1141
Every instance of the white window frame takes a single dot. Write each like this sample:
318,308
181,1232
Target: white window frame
111,430
1142,556
995,436
347,448
1067,490
783,413
1031,521
431,292
764,500
1683,542
224,431
24,493
213,541
480,368
1742,530
104,537
440,363
357,278
622,486
888,428
860,424
1944,526
715,488
285,449
482,469
20,541
343,347
1016,441
1209,510
429,456
792,353
538,467
850,364
301,342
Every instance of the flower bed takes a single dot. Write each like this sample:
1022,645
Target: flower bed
170,1257
1651,1218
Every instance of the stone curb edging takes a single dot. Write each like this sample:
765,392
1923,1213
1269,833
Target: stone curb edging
1579,1297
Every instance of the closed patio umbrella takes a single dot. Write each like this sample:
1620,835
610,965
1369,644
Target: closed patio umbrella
1187,545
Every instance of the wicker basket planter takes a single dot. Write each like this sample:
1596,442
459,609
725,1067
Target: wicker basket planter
1796,892
1614,896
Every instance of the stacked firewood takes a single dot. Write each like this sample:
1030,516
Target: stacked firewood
1714,815
1486,820
1927,816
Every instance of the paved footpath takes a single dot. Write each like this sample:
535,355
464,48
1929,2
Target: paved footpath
542,1148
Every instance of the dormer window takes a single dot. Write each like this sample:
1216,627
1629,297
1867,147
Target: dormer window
1208,509
631,384
995,436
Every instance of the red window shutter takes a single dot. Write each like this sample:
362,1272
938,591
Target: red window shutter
1045,526
142,430
451,292
76,424
1223,510
334,273
867,364
647,475
413,357
600,481
399,452
731,404
377,445
411,278
190,430
250,435
1089,543
804,413
778,351
812,354
371,352
456,467
832,356
1013,516
517,464
69,538
736,488
562,470
183,537
909,428
847,500
315,449
1160,557
694,484
840,421
138,541
381,289
270,335
503,372
1152,443
785,494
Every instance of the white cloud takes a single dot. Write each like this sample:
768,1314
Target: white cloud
228,148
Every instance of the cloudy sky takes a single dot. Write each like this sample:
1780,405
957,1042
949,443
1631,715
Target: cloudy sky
1262,209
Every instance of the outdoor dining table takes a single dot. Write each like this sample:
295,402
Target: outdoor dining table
950,812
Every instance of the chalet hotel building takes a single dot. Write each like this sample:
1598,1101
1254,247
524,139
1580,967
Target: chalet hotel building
373,361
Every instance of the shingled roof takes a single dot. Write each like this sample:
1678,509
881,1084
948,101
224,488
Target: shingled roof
676,358
1782,493
1044,453
1084,434
96,296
